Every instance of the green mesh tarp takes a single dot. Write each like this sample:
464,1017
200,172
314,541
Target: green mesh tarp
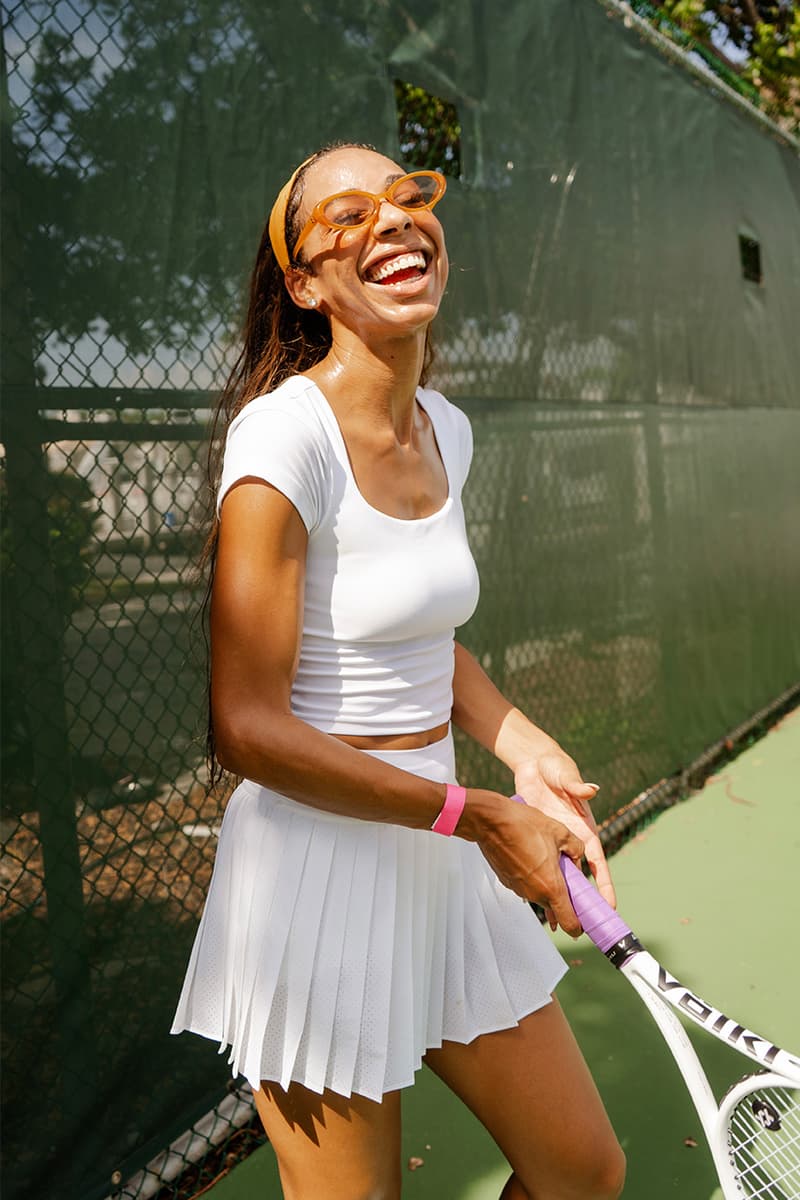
621,325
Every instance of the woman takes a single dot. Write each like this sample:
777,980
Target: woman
366,912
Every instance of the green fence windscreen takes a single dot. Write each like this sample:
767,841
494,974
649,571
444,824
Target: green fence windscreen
621,326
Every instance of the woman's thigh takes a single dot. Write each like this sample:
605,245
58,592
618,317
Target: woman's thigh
332,1146
530,1086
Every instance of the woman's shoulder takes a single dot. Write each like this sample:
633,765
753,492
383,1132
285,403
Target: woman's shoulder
294,403
279,437
437,405
451,423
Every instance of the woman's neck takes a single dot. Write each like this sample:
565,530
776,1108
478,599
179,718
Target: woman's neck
373,384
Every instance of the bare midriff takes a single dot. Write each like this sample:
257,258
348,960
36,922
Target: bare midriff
395,741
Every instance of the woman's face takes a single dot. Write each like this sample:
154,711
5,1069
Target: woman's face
390,273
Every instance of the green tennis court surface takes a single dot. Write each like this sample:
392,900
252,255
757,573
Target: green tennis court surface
712,888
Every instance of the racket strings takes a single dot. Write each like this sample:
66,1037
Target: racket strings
764,1143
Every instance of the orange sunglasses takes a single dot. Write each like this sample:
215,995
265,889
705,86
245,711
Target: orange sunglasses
350,210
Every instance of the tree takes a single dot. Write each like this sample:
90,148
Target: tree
429,130
147,150
758,41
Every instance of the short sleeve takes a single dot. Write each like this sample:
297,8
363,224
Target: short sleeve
281,447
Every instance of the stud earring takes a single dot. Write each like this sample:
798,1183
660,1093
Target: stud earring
312,304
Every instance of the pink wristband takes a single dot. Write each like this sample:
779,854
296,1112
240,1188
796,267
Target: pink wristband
453,806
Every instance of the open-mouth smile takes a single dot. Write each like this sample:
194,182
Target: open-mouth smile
398,268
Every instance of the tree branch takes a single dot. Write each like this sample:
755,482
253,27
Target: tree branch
752,12
707,44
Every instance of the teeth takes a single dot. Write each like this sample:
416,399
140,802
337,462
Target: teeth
391,265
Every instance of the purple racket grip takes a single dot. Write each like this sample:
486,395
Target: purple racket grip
599,920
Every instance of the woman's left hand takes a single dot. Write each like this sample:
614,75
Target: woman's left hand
553,784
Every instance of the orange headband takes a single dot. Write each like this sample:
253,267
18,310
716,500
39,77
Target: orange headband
277,219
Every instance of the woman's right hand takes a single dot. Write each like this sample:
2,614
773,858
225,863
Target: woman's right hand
523,848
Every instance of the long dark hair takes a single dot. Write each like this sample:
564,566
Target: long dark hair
278,340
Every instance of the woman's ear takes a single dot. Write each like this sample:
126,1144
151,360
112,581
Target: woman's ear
300,286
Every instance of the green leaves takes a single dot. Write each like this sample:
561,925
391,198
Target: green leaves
429,130
758,41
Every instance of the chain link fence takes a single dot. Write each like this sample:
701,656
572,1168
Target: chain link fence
625,473
108,827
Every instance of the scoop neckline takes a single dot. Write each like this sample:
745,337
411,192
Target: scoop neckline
345,459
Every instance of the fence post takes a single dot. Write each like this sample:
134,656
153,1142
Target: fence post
40,623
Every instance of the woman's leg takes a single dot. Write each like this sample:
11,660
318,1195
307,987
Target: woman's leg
331,1146
532,1089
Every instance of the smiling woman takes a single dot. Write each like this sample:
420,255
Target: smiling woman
366,912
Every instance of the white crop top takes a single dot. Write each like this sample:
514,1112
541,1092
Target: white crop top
382,595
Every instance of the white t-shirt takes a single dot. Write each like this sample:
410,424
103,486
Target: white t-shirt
383,595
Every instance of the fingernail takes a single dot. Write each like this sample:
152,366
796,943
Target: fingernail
596,786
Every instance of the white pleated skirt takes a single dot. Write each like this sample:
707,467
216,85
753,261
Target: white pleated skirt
335,952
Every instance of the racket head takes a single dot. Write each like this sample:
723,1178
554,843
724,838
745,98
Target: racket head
759,1127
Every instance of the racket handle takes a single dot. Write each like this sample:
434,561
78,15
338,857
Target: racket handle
599,920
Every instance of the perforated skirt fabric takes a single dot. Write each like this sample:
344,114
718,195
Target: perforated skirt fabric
335,952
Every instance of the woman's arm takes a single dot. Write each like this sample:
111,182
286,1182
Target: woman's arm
544,774
256,628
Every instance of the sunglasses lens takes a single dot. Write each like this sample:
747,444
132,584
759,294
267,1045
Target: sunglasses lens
415,191
353,208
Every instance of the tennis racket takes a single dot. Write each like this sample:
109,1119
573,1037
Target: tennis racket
754,1134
